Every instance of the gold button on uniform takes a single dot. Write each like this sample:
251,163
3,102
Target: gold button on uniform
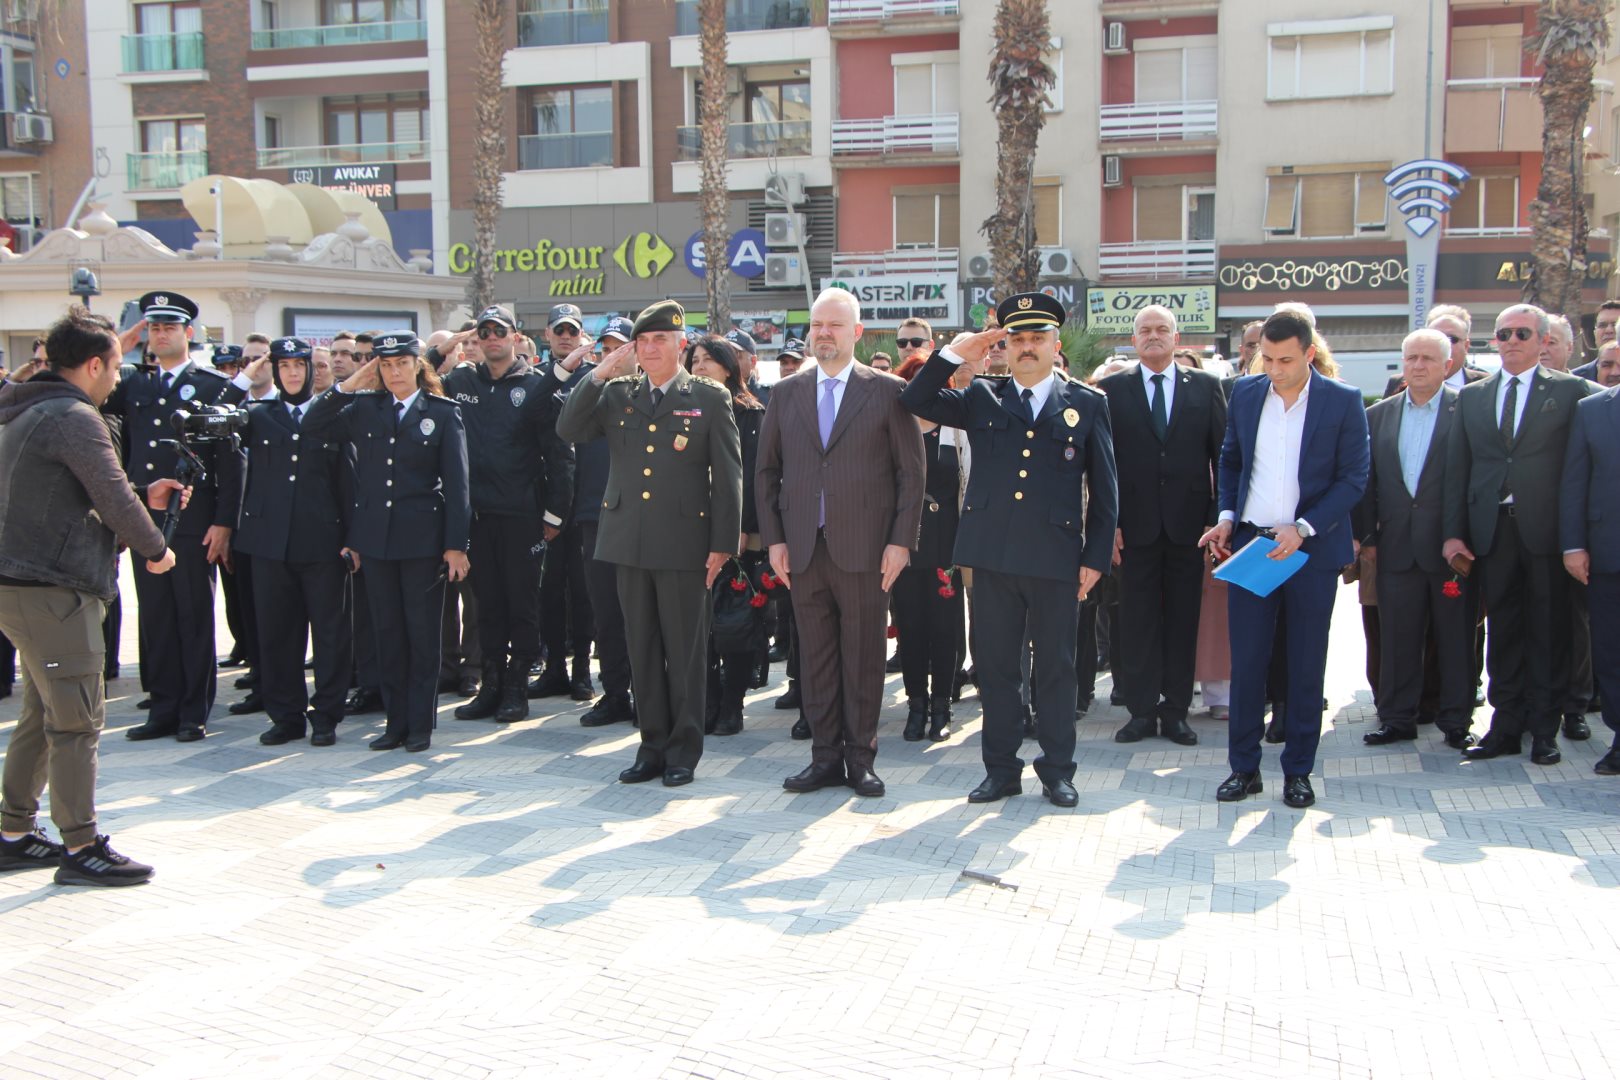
652,427
1029,434
646,472
649,448
1018,494
1026,453
646,494
1022,473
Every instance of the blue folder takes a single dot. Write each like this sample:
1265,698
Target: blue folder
1251,569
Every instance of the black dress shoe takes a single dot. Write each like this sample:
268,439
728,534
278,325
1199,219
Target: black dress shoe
1137,728
1081,707
279,736
323,738
992,790
801,729
916,722
1277,730
1544,750
865,783
467,686
190,734
1239,786
416,746
790,700
1385,734
1061,793
611,709
253,703
246,682
233,660
641,772
143,732
1178,731
363,701
1608,764
1575,729
388,742
1494,745
677,777
730,721
1459,740
581,689
777,655
144,703
1115,698
1297,792
816,777
892,667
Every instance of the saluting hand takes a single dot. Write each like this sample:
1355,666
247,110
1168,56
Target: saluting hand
456,565
621,361
130,339
973,350
365,378
572,361
255,369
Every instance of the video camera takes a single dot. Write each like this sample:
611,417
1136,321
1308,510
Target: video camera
198,426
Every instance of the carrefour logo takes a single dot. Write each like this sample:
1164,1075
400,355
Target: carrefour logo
643,255
640,255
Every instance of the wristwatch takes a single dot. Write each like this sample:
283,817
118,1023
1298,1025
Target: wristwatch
1304,528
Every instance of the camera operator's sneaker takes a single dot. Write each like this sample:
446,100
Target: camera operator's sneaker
98,864
30,852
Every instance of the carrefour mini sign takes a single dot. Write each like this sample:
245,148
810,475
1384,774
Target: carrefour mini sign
580,271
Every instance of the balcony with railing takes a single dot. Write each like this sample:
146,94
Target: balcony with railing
1504,115
906,16
146,54
747,15
357,33
781,138
289,157
569,150
894,136
166,170
1170,260
541,28
1158,121
920,260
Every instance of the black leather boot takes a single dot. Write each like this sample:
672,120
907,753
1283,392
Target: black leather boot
488,698
939,719
916,720
514,696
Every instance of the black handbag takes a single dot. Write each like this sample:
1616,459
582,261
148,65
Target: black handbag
737,622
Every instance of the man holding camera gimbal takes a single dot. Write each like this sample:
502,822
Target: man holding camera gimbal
177,610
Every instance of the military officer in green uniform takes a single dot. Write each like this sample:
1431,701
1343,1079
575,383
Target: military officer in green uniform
671,517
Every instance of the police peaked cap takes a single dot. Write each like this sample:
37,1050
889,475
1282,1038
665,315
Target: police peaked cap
398,343
227,354
167,307
1030,311
619,327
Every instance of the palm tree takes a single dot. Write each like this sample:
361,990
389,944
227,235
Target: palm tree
1570,35
489,143
712,130
1019,80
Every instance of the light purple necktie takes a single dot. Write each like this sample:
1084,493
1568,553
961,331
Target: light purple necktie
826,412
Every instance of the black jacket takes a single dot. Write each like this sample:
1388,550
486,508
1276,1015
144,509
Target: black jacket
516,463
1166,488
1405,528
292,502
748,422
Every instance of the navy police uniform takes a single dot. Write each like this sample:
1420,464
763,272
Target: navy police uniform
1041,505
176,610
292,528
410,506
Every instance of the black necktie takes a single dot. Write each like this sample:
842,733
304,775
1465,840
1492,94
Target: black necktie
168,382
1510,409
1029,410
1161,414
298,416
399,414
657,396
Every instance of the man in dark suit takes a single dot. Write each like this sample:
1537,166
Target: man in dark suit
1399,522
1505,460
839,487
1293,467
671,517
1603,327
1036,542
1589,534
1168,423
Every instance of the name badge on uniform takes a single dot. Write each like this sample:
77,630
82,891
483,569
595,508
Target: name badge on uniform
187,392
426,426
518,394
1071,417
1068,453
680,442
688,412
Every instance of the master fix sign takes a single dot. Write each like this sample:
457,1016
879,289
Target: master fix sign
1112,310
887,300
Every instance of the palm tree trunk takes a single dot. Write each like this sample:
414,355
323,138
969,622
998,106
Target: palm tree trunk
489,141
1019,80
712,128
1570,34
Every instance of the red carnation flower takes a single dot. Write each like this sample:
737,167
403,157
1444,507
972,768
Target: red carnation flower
892,632
767,582
738,584
946,591
1451,589
757,600
943,575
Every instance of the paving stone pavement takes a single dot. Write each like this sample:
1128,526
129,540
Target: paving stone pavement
497,907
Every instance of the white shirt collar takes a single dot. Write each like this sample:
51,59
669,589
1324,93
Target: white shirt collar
1458,379
408,402
842,376
174,373
1525,377
1304,394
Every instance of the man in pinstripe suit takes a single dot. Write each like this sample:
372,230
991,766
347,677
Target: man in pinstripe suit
839,487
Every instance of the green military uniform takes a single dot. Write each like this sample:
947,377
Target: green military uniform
674,494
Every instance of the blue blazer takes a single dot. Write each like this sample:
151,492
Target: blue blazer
1589,499
1333,461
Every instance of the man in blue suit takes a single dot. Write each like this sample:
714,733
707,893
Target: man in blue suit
1293,466
1589,533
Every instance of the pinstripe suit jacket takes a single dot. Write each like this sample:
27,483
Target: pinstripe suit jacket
871,471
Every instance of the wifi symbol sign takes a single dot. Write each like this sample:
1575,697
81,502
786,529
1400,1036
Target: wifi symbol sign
1426,186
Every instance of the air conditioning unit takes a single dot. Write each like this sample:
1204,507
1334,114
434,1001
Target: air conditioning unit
30,128
784,269
1114,42
733,81
1057,262
784,230
784,189
1111,173
978,267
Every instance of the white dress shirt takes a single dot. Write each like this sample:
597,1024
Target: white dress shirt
1274,473
1038,393
408,402
1526,382
1168,384
1458,379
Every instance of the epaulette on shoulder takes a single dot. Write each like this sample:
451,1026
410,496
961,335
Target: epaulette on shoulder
623,379
705,380
437,397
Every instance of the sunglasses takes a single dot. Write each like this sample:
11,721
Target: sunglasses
1523,333
911,342
494,331
1455,340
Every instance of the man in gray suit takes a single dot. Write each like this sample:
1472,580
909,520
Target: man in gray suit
1399,523
839,486
1589,532
1505,459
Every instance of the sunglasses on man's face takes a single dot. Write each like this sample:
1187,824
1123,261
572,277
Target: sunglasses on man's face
1523,333
494,330
911,342
1455,340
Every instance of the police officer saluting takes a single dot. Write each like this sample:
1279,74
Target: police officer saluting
177,609
292,528
408,525
522,480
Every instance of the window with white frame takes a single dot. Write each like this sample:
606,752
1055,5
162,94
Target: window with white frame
1331,58
1488,202
1487,52
1169,211
1327,202
18,90
1175,69
1054,57
927,217
925,84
